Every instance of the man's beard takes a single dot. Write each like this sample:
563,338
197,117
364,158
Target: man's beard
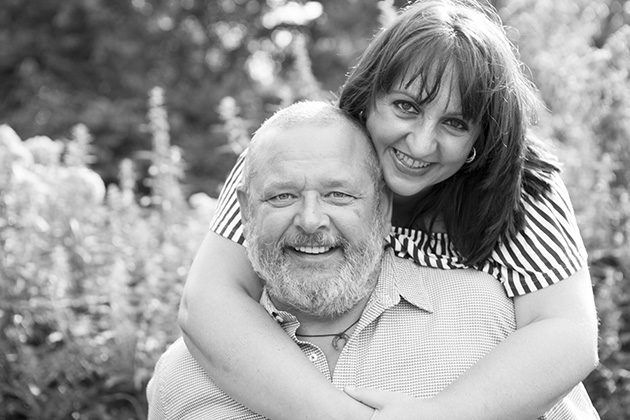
318,289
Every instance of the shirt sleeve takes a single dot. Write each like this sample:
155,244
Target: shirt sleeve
156,408
548,250
227,217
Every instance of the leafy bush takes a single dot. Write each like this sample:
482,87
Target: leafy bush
598,174
90,281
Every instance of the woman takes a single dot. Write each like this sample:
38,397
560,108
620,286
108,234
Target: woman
446,104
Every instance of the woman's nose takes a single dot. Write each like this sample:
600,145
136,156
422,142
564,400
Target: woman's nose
422,138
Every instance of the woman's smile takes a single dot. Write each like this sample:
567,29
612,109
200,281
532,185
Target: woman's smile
407,161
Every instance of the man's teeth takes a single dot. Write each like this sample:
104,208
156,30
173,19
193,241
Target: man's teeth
313,249
409,161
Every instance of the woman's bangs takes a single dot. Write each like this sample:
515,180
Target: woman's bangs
475,83
424,73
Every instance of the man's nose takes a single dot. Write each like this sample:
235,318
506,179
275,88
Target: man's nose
311,216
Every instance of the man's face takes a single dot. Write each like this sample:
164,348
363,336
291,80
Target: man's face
314,227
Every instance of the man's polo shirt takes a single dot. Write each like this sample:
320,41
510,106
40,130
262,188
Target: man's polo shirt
420,330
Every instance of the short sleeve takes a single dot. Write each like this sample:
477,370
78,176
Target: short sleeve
157,406
548,250
227,217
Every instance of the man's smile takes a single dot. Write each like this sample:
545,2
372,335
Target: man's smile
313,249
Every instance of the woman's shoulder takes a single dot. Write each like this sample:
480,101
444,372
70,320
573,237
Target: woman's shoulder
549,213
433,250
548,249
226,220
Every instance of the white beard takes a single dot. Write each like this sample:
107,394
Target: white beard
318,289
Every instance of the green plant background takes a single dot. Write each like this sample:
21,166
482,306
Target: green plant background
121,119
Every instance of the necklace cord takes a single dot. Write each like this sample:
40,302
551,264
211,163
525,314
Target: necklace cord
330,335
336,337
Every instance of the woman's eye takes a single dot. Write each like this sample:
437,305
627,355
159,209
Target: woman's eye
457,124
406,107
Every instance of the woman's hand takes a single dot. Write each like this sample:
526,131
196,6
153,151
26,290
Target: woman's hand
387,405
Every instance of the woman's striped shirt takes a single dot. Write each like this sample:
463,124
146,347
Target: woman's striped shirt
547,251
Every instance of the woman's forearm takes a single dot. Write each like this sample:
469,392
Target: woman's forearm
516,384
552,350
244,351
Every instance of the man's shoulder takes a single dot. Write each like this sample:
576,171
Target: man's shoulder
176,368
181,389
465,287
407,271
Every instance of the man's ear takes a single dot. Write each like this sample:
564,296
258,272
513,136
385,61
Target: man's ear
243,203
387,203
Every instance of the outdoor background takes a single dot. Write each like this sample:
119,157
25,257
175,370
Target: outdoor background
121,119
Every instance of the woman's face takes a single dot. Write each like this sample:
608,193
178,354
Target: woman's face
420,145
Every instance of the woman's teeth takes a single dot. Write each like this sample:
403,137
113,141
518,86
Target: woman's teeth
409,161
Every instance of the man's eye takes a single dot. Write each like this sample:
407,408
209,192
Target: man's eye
406,107
283,198
339,197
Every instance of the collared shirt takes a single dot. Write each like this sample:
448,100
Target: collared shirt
420,330
548,249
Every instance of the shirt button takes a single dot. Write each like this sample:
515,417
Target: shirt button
312,357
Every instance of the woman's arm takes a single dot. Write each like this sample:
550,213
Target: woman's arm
552,350
244,351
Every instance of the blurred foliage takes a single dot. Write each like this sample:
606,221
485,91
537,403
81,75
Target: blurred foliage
90,279
131,108
64,62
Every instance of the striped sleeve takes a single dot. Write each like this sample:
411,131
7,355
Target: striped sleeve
548,250
227,217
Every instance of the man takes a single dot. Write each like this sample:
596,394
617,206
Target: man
315,214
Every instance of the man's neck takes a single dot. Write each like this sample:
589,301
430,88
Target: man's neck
330,334
315,325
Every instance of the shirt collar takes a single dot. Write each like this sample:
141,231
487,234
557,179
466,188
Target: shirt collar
287,320
400,278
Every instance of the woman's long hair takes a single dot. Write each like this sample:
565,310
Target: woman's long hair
481,204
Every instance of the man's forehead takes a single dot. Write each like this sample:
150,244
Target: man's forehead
315,154
288,171
302,177
312,142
